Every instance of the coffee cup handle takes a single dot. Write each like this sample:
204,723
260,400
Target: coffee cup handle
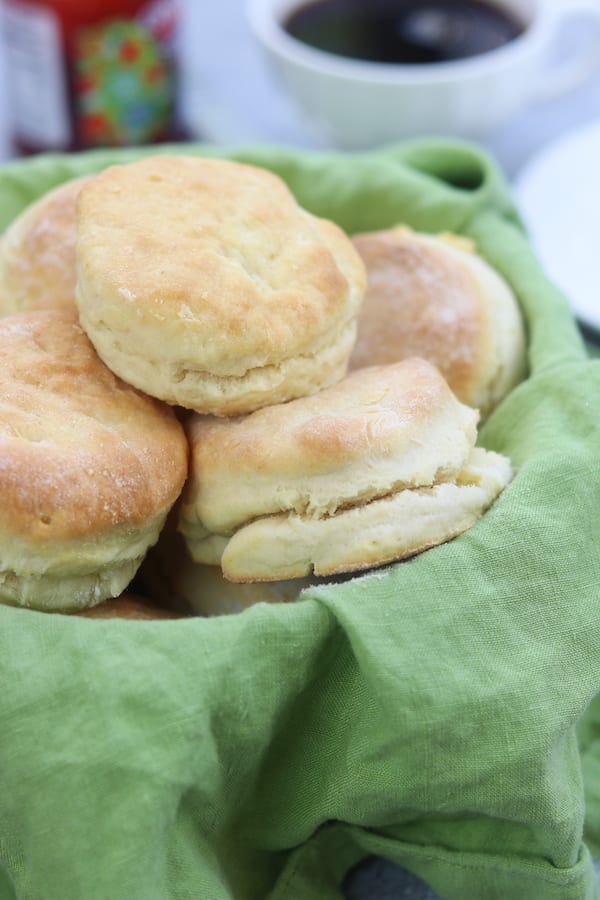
567,74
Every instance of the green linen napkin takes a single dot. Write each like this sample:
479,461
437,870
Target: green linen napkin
441,712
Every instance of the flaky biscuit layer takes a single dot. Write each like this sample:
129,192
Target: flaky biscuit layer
375,469
369,535
378,430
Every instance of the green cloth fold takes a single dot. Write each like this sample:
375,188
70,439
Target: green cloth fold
442,712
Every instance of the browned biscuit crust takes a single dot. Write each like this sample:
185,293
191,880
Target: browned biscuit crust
37,254
89,466
433,296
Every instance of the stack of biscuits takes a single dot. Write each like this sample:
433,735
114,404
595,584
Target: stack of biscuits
214,397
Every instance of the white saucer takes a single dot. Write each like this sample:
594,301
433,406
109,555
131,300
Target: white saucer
558,193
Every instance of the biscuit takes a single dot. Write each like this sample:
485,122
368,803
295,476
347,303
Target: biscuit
373,469
127,606
171,578
433,296
378,532
89,467
205,284
37,254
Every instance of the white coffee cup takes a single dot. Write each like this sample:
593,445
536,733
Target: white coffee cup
356,104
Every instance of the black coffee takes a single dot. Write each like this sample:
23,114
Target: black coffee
403,31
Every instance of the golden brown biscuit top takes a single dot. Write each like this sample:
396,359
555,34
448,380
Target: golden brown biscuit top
221,254
378,429
81,452
37,255
422,299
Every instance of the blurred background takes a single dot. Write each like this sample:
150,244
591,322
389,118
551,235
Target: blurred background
228,93
231,95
